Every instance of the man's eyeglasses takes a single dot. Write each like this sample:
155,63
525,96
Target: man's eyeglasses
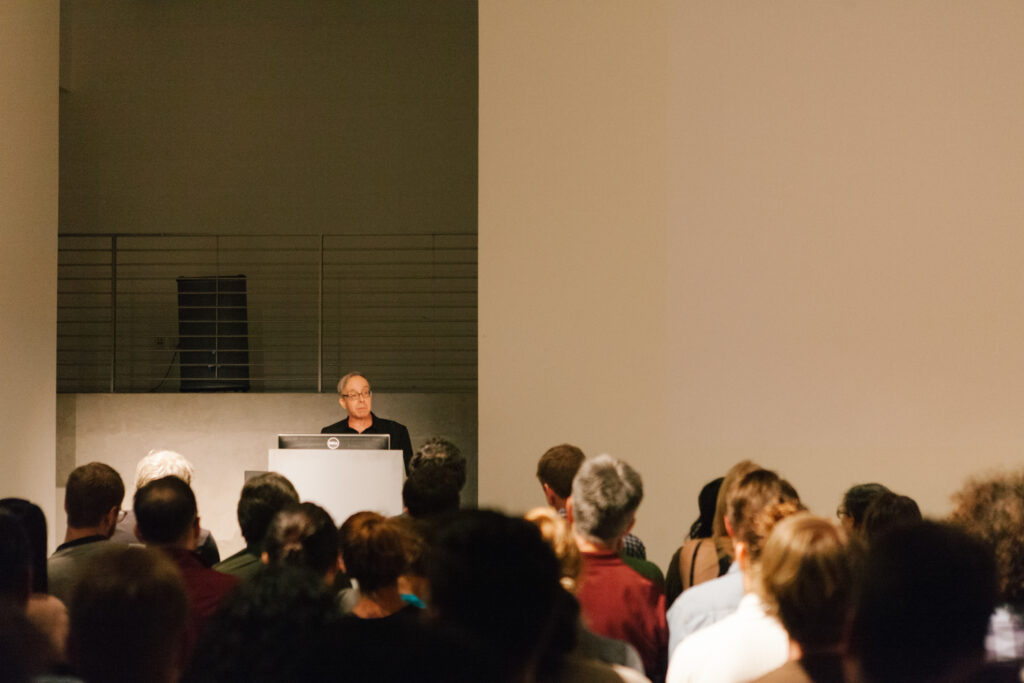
363,395
121,515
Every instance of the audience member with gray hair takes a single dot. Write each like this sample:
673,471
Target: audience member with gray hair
156,465
616,601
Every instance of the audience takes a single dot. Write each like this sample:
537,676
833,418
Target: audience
923,610
765,590
697,561
303,535
992,509
750,642
745,497
855,501
438,451
430,491
373,553
494,579
557,533
616,601
276,626
92,500
155,465
412,584
46,612
167,518
719,533
129,612
25,655
15,562
887,511
262,497
555,471
809,569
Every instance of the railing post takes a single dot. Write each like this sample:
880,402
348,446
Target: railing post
113,312
320,323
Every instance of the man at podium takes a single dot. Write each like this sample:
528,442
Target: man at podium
355,397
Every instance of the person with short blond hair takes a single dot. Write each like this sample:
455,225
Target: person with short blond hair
807,578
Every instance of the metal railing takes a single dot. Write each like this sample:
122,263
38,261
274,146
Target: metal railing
401,308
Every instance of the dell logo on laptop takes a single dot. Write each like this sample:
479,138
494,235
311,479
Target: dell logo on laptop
333,443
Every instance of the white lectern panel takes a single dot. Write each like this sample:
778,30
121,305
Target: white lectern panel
344,481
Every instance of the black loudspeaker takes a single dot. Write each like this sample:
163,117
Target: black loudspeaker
213,333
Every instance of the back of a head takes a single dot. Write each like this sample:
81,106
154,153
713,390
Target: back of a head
707,501
303,535
478,550
438,451
807,578
128,616
927,593
372,547
557,533
416,535
558,466
273,627
886,511
91,491
430,491
754,492
33,521
159,464
262,497
15,561
26,654
719,534
857,499
992,509
165,509
605,495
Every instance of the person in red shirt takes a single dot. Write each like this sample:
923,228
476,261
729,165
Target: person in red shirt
167,518
615,600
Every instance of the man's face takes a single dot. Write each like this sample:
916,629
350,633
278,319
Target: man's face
355,398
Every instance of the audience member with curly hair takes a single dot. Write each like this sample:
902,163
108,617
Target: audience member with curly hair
992,509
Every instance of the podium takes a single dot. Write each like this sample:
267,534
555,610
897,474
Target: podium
343,481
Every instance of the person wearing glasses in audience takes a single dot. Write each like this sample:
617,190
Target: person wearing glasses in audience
356,398
92,499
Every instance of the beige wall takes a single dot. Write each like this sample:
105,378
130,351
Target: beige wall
788,231
223,435
28,255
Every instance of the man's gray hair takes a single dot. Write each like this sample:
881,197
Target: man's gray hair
605,494
344,380
160,464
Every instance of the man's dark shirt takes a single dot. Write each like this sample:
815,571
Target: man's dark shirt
399,434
